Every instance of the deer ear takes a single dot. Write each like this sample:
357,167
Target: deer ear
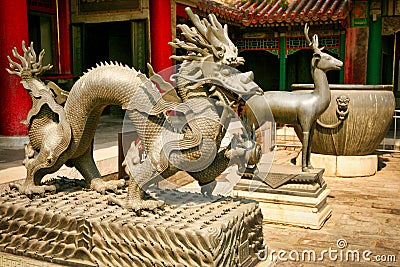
317,55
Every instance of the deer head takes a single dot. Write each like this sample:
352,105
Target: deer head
321,60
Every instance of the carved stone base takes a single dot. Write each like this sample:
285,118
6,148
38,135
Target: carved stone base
81,229
300,202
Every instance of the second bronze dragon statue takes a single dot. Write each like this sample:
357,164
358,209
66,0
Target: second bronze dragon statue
62,124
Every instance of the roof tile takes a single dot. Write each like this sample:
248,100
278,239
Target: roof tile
260,13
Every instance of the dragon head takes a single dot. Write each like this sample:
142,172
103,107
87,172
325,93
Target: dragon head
29,70
223,76
208,40
31,66
212,57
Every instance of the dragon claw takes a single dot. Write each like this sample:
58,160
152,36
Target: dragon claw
150,205
101,186
31,190
137,205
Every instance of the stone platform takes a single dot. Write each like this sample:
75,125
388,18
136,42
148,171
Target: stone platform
288,196
80,228
344,166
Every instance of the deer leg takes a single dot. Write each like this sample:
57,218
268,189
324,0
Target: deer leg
306,138
308,160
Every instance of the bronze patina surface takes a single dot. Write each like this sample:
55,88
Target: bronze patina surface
80,228
302,109
361,116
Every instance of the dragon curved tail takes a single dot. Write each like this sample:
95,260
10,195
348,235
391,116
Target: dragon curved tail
107,84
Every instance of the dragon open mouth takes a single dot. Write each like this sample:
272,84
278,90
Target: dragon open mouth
234,86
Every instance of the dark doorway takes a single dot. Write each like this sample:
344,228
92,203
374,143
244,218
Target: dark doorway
105,42
265,67
390,65
298,68
41,33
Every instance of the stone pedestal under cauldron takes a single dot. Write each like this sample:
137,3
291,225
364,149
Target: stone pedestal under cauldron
349,131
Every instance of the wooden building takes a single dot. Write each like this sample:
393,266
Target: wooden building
270,34
47,24
390,42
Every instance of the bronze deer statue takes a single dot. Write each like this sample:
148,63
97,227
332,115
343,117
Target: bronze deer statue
300,108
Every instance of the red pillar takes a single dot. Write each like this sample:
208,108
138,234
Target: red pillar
14,100
356,56
65,41
160,34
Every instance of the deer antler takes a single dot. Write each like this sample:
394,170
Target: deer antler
29,67
314,43
306,29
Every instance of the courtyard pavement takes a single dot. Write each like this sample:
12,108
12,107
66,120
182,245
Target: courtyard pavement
364,229
365,222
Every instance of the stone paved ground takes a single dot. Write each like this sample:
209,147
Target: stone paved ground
366,215
106,136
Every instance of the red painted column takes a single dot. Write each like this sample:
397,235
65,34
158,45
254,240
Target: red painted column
14,100
356,56
65,40
160,34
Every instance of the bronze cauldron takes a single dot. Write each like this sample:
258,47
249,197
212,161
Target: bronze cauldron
356,120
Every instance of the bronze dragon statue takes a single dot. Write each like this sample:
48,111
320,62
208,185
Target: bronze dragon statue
62,125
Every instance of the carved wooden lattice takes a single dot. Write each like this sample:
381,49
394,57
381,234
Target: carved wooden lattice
257,44
293,44
331,44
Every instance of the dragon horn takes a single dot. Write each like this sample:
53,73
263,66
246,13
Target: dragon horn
196,21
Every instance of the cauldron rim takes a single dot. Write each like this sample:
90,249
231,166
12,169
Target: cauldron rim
379,87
